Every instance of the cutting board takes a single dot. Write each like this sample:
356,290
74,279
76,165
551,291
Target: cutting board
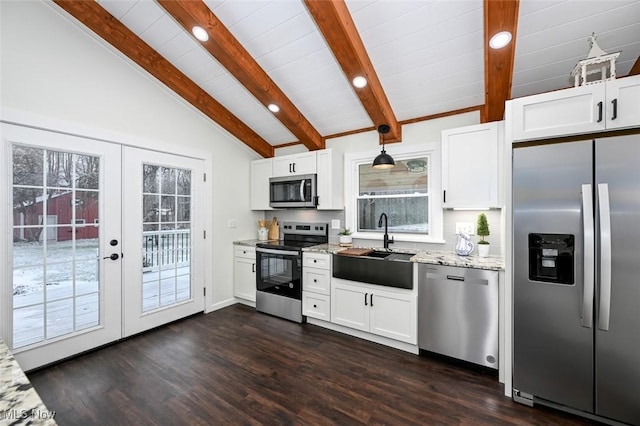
274,229
354,251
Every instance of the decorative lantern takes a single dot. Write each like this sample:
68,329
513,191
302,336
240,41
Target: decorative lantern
599,66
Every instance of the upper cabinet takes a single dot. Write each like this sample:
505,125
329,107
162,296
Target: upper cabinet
593,108
326,164
295,164
330,180
472,166
261,171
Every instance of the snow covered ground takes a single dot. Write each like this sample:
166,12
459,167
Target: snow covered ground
72,292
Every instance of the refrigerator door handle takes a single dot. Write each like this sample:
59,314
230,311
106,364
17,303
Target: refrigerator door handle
586,317
605,257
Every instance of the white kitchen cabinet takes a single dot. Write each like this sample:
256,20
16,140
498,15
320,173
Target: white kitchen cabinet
326,164
261,171
471,166
295,164
244,273
330,184
623,103
383,311
610,105
316,285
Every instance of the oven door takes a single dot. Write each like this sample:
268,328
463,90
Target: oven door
279,272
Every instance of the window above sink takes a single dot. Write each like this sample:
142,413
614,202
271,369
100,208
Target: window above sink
409,194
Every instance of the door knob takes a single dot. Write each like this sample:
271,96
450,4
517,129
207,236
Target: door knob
114,256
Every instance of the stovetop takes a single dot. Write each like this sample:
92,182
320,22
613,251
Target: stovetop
287,245
298,235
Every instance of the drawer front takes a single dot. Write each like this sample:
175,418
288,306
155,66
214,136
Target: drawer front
316,305
245,251
316,280
316,260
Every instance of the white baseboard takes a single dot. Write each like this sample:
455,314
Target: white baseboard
220,305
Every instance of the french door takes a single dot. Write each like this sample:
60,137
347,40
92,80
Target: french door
163,233
101,243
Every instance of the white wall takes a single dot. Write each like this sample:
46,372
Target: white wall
58,75
412,134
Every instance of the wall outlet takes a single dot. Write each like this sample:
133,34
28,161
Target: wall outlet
468,228
233,223
335,223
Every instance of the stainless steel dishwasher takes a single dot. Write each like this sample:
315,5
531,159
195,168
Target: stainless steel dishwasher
458,313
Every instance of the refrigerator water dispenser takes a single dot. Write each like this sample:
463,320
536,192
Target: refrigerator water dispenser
551,258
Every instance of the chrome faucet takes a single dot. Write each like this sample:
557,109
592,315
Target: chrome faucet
386,240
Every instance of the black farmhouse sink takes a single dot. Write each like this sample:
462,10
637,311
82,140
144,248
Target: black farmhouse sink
379,267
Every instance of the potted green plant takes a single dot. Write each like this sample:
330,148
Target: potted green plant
483,231
345,236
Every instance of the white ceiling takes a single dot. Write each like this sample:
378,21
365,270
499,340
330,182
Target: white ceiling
428,54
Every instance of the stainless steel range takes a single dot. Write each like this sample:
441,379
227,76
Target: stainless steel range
279,273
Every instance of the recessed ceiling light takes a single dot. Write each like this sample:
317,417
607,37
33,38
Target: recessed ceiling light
200,33
273,107
500,40
359,82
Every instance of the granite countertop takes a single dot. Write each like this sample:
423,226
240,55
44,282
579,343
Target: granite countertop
19,401
250,243
447,258
434,257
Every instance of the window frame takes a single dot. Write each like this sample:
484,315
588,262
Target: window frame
431,150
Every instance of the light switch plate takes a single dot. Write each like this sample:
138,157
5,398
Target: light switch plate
468,228
233,223
335,223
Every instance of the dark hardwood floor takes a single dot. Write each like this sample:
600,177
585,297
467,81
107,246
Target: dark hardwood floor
237,366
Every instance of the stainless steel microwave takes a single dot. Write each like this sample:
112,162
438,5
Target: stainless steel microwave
293,192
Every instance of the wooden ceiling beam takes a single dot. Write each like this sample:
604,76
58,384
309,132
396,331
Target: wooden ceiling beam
499,15
336,25
101,22
635,69
226,49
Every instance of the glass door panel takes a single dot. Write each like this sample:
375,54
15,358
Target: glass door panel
166,236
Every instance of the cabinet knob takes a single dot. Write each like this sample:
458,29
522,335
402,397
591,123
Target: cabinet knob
315,281
315,261
315,306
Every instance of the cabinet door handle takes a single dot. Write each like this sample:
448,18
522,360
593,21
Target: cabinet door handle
294,167
444,196
599,111
253,267
290,171
371,300
365,299
615,109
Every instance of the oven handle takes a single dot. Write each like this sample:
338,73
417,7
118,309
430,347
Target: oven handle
279,252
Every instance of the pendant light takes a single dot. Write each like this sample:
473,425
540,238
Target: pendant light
383,160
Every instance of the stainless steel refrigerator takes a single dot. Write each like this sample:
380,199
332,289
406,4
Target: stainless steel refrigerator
576,306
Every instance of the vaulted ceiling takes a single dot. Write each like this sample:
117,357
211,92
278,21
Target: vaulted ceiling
422,58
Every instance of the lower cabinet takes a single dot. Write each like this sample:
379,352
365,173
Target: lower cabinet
374,309
316,289
244,273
